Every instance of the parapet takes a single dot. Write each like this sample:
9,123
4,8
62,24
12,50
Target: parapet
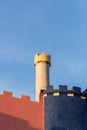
74,92
42,58
6,95
9,95
26,98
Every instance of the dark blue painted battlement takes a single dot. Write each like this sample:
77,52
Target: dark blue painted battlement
65,109
75,91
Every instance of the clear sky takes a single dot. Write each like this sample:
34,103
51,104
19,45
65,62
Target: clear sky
57,27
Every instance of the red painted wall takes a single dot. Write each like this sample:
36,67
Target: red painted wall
20,113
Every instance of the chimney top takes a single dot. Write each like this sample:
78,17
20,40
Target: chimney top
43,57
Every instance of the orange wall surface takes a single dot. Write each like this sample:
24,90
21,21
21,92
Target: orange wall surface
20,113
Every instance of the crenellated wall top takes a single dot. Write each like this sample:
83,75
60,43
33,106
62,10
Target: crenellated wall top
43,57
75,91
7,94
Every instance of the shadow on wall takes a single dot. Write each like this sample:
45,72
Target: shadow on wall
12,123
58,128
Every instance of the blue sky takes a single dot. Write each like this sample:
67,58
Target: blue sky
57,27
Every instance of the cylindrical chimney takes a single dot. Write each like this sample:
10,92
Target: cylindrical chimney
42,63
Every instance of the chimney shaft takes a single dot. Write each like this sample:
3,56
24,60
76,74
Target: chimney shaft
42,63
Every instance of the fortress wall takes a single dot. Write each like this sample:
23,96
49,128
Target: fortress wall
20,113
65,112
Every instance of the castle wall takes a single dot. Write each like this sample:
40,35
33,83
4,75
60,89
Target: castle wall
65,112
20,113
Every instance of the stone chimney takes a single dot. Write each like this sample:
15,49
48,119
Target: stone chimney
42,62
